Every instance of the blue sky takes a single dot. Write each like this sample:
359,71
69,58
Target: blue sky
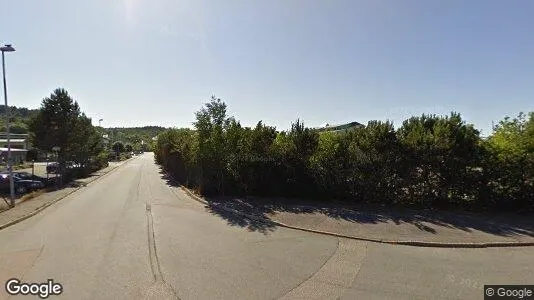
141,62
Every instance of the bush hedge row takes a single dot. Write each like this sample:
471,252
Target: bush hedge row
429,161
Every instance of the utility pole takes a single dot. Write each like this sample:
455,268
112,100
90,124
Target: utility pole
8,48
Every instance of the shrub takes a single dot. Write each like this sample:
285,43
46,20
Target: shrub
430,161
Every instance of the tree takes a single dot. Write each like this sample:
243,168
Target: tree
128,148
211,126
87,143
118,147
55,124
509,165
434,161
59,122
439,156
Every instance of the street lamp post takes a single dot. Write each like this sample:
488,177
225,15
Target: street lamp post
8,48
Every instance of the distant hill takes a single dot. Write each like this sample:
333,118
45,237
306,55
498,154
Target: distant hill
133,135
20,117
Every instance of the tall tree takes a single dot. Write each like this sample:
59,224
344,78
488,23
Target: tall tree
60,123
55,124
211,125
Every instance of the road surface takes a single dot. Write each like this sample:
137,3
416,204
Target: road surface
130,235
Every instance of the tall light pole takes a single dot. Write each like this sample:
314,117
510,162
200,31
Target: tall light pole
8,48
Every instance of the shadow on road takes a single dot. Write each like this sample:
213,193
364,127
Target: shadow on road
430,221
261,224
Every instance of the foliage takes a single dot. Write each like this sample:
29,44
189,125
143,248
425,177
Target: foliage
140,138
509,163
118,147
440,154
100,161
19,119
429,161
60,122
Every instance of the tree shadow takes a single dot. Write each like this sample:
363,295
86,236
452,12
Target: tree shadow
430,221
168,179
236,211
258,222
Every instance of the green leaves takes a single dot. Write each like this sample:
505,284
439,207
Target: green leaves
19,118
59,122
118,147
431,161
509,163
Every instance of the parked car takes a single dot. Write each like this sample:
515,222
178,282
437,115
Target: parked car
28,176
22,186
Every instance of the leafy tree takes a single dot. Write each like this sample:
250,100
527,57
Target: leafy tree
128,148
432,161
211,124
19,119
439,154
372,155
59,122
328,165
139,137
118,147
88,141
509,167
55,124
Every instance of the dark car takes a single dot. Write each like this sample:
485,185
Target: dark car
28,176
21,185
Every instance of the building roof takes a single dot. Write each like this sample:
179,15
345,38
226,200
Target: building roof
329,127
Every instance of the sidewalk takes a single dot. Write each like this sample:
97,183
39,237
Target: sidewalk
28,208
421,228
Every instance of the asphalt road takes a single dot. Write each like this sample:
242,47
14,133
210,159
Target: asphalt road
129,235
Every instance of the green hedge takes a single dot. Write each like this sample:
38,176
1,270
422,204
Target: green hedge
429,161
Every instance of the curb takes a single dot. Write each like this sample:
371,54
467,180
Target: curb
43,207
390,242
